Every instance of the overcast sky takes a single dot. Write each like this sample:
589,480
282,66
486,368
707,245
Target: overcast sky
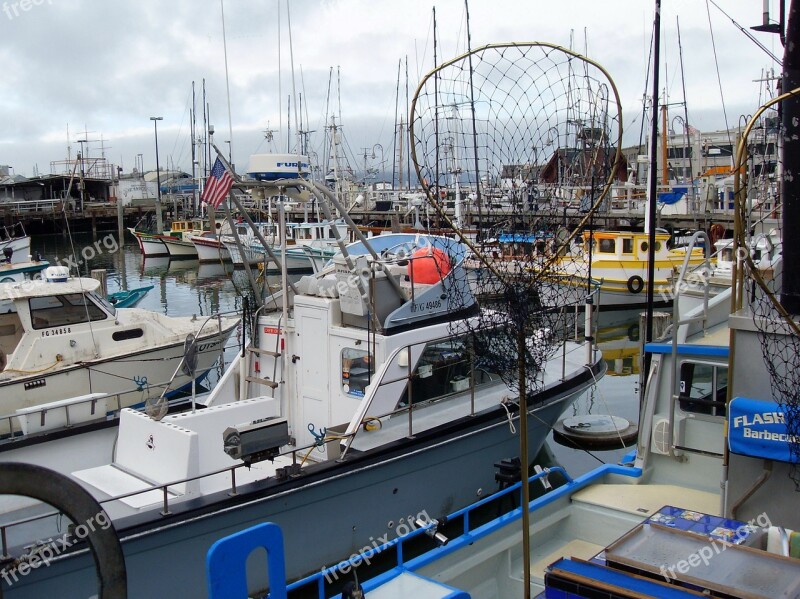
105,67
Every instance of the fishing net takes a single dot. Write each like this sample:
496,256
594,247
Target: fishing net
757,248
516,146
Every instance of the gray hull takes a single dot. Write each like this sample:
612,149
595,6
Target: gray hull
327,514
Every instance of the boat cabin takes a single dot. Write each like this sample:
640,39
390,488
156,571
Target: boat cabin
41,322
627,246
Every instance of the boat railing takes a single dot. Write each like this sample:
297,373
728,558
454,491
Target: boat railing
473,528
74,413
218,317
297,454
679,320
18,433
10,231
402,358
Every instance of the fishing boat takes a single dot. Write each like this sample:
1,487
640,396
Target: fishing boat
61,339
174,242
253,256
355,388
128,298
618,261
178,248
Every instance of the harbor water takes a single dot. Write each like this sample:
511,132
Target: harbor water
187,287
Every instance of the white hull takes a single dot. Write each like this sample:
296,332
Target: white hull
140,375
211,250
152,247
239,259
180,249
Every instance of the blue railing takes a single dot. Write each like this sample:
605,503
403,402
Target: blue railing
224,575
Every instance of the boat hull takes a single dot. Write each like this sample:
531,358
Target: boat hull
180,249
140,375
152,247
434,473
239,258
210,250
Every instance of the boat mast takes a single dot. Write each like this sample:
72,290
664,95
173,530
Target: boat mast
227,85
194,152
653,186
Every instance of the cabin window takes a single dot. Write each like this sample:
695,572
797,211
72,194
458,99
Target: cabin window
443,369
627,245
357,371
607,246
658,246
63,310
99,299
644,246
703,388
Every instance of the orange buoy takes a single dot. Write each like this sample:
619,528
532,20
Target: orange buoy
428,266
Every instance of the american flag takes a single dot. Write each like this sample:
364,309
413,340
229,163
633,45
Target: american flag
218,185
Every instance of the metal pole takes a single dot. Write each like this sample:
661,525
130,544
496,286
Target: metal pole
651,204
523,453
790,289
159,216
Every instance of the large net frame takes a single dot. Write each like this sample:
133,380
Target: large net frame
516,146
757,283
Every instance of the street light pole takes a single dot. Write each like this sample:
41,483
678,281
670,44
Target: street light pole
159,216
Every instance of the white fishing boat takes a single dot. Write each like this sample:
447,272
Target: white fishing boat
59,338
251,251
174,242
356,388
705,504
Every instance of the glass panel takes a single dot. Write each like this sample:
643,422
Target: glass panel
627,245
607,246
357,371
703,388
63,310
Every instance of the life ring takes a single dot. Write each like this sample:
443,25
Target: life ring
633,332
635,284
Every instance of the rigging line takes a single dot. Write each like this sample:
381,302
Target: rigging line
719,80
551,427
749,35
72,247
687,152
644,95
